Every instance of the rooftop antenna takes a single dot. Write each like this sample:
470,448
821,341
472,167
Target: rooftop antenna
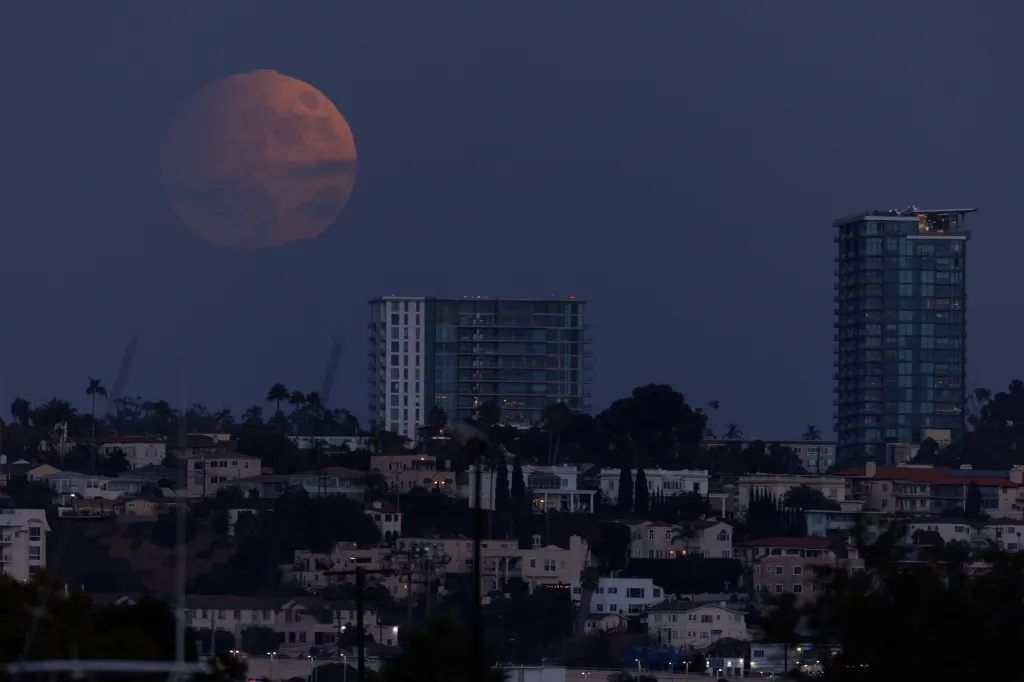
179,508
332,370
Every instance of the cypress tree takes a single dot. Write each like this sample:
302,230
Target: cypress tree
625,490
518,495
501,488
641,498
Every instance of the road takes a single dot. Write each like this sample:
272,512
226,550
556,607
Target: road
287,668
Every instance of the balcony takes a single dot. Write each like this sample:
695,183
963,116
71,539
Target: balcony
6,538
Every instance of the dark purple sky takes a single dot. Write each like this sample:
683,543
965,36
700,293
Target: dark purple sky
678,164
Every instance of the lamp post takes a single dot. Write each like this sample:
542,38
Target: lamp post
271,654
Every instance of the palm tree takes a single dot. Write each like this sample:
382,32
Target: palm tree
733,432
297,399
812,433
276,394
225,420
556,419
95,388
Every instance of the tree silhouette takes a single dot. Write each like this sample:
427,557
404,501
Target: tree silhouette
501,485
518,493
94,389
641,495
276,394
625,503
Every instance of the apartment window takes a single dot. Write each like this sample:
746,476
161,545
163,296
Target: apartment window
35,533
635,593
34,553
778,589
238,614
650,534
706,619
613,590
723,536
691,617
221,614
797,588
778,570
798,570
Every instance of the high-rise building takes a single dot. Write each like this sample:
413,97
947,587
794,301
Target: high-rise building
462,352
900,328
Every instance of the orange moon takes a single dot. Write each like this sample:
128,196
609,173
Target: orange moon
258,159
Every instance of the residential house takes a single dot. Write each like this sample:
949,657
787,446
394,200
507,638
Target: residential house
666,482
300,622
139,451
548,565
691,626
331,481
22,542
949,529
781,565
923,490
146,506
153,474
658,540
387,519
405,471
825,522
623,596
21,468
210,469
777,485
554,488
1004,534
264,486
605,622
79,487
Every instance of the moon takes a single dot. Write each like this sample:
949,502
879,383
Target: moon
258,160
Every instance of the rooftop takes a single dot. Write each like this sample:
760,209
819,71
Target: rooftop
910,212
934,476
683,606
788,543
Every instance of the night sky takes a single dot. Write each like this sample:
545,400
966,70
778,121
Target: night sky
677,164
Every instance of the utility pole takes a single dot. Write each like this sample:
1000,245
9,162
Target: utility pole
360,575
475,442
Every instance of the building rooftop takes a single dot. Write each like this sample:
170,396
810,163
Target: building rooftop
674,606
933,476
788,543
910,212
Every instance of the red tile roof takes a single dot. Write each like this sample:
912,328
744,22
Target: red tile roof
930,475
787,543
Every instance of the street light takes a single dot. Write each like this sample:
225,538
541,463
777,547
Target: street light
271,654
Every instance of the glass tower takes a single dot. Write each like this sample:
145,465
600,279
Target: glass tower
459,353
900,328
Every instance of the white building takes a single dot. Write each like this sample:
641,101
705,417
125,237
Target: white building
23,542
350,442
554,488
397,359
664,481
1004,534
138,450
950,530
690,625
91,487
624,596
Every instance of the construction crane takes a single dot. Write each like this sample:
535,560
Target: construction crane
332,370
122,375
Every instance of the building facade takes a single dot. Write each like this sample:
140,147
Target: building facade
459,353
22,542
667,482
623,596
692,626
900,327
553,488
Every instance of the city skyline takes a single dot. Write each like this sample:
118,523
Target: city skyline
687,197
